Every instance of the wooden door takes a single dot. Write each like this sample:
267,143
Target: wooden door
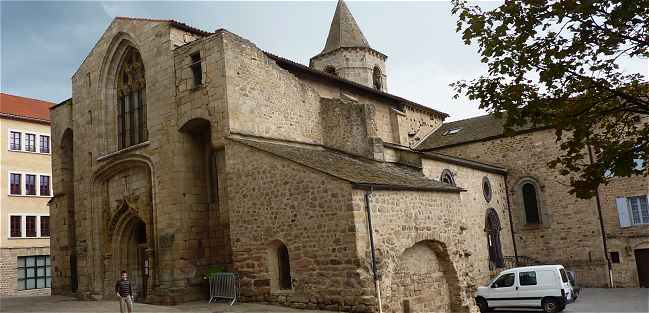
642,261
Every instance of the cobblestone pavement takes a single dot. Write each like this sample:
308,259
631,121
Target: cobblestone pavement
596,300
590,301
61,304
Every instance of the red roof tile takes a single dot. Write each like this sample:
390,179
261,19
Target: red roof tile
20,107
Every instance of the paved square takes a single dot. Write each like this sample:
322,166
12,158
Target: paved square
598,300
628,300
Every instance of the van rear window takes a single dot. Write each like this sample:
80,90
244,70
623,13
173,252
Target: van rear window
564,276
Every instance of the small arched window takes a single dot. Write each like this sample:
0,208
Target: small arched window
284,267
377,78
530,203
447,177
131,100
331,70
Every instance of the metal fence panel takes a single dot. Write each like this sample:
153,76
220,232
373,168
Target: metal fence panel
224,286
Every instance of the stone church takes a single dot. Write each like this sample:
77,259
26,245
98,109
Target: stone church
182,150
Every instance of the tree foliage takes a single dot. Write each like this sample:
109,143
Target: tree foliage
559,64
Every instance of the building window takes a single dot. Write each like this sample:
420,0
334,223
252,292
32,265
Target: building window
447,177
131,109
44,146
15,184
615,257
30,226
452,131
16,225
331,70
377,77
30,184
45,226
639,210
633,210
34,272
14,140
486,189
197,70
45,185
30,142
284,267
531,204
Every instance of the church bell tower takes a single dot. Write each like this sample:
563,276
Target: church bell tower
348,55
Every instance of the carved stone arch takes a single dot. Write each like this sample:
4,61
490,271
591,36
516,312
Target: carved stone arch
119,46
494,245
118,219
423,278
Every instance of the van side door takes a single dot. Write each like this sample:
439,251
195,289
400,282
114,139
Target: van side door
530,290
502,292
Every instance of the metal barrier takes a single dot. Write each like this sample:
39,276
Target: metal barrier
224,286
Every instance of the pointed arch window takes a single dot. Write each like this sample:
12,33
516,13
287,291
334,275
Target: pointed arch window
131,100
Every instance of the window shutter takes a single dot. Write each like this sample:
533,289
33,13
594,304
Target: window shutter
623,212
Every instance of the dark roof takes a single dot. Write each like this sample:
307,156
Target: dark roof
481,128
361,172
344,31
294,66
465,162
16,107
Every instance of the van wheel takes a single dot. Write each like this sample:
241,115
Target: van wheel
551,305
482,305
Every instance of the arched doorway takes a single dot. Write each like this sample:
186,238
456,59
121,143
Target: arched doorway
424,280
492,228
131,251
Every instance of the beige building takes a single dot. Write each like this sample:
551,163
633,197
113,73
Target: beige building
183,149
551,225
25,189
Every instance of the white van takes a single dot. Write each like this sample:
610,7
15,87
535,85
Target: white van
546,287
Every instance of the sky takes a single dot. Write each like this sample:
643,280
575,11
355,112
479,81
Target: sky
43,43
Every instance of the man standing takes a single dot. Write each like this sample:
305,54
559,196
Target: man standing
125,293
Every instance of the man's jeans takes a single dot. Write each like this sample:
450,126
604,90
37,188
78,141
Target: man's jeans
126,304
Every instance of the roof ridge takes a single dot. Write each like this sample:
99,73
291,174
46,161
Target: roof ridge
34,99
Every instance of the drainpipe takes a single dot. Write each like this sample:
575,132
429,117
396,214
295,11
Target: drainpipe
370,230
601,225
511,223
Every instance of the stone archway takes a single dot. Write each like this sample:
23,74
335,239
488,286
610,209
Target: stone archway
424,280
130,249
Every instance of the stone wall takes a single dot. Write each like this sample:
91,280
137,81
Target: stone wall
404,220
569,233
624,240
8,265
266,100
475,205
310,213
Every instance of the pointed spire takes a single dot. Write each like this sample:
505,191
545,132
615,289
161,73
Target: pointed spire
344,31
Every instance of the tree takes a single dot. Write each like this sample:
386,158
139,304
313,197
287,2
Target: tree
558,64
